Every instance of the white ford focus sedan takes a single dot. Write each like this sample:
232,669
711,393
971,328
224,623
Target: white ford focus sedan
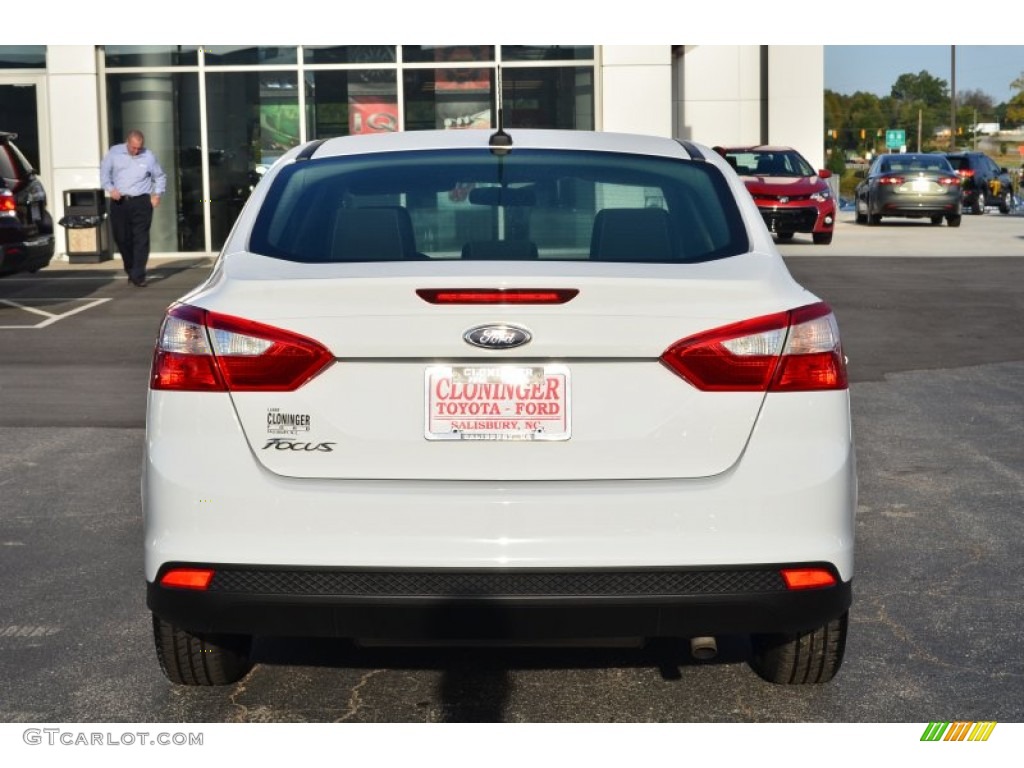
469,386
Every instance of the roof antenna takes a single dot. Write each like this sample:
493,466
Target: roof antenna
500,142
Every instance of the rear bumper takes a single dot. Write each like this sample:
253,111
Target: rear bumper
24,255
524,604
894,205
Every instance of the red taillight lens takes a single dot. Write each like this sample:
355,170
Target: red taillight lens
199,350
7,202
807,578
187,578
792,351
967,173
497,295
949,181
893,180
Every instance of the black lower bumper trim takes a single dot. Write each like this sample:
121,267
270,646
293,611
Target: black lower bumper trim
514,604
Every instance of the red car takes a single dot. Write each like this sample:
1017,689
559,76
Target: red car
791,195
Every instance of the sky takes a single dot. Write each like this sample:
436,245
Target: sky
874,68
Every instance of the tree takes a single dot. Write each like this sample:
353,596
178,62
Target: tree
1015,106
921,96
975,100
924,87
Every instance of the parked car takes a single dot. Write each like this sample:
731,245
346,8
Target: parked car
791,196
983,181
531,386
909,185
26,227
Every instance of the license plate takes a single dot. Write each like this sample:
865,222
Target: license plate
922,185
497,402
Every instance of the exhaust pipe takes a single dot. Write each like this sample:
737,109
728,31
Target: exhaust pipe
703,648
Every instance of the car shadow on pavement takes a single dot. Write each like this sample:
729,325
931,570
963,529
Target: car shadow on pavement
477,679
69,282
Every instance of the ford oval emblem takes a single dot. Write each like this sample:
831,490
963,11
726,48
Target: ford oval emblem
497,336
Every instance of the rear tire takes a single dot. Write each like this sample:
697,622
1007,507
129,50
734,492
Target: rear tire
801,658
822,238
193,659
1006,202
858,217
784,236
953,221
977,206
874,219
936,220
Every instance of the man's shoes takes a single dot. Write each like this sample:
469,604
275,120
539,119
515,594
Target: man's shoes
141,283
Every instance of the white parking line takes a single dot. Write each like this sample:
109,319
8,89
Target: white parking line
51,318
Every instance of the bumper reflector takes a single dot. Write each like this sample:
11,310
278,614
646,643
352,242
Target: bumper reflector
187,578
807,578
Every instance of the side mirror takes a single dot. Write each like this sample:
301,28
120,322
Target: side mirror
824,173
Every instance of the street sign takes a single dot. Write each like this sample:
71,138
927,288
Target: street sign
895,138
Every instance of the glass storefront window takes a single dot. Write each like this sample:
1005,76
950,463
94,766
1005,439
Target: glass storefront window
224,55
252,119
253,101
447,54
165,107
447,98
546,52
22,56
151,55
548,97
349,102
348,54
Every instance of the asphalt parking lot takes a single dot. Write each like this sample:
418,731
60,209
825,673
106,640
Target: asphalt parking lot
932,323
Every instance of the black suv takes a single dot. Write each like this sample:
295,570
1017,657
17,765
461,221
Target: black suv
26,227
984,183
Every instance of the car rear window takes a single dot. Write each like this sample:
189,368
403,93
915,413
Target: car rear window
472,204
8,174
908,163
960,163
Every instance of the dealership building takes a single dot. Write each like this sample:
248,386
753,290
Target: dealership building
218,116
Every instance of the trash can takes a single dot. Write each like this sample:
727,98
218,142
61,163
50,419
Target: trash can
86,226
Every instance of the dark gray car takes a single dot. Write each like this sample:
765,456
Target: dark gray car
911,186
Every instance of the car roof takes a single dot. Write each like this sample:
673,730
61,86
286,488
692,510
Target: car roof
759,148
521,138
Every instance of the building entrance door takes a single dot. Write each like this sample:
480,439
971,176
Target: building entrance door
22,111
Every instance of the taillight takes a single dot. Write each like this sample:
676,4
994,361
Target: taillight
807,578
188,578
949,181
892,180
795,351
8,205
201,351
497,295
966,173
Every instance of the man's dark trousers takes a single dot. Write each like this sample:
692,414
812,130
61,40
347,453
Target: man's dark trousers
131,219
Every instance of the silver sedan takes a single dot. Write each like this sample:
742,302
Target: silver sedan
911,186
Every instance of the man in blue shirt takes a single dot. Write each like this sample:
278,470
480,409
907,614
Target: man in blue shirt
133,178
